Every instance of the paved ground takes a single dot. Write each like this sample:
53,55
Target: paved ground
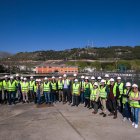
61,122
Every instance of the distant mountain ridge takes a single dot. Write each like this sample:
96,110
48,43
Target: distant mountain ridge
88,52
5,54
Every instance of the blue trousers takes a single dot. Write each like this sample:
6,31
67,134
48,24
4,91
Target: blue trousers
38,97
135,115
82,98
11,97
126,110
47,96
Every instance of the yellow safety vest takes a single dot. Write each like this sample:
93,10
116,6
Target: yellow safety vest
5,85
25,87
60,84
47,87
11,86
102,92
31,85
93,94
75,89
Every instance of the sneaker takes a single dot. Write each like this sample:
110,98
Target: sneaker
136,125
124,119
101,113
129,119
133,124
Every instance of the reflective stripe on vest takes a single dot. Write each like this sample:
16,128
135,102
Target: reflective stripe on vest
67,82
93,94
134,103
47,87
75,88
103,93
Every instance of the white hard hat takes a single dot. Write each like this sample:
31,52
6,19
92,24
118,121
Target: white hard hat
111,80
95,84
45,78
92,78
53,77
118,78
60,77
25,79
11,77
86,78
17,75
31,77
21,78
128,84
106,75
74,74
5,76
64,75
82,77
135,85
39,80
36,80
76,80
103,81
99,78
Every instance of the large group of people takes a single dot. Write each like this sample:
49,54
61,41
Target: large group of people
95,93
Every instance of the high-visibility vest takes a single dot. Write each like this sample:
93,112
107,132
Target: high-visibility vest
125,99
46,87
1,86
120,86
5,84
60,84
107,82
75,89
24,86
53,85
31,85
91,86
11,86
93,94
35,87
114,90
102,92
134,103
67,82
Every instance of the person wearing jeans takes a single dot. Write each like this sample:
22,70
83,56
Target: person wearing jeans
11,90
134,98
47,90
125,97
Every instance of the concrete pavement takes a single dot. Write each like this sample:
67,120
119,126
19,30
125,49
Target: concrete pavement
61,122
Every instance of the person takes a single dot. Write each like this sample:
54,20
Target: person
18,88
60,88
12,91
20,96
5,88
87,92
75,93
103,96
35,91
125,101
82,99
66,87
25,90
134,98
47,90
39,91
54,90
107,82
31,89
112,98
99,80
91,88
94,96
1,91
120,85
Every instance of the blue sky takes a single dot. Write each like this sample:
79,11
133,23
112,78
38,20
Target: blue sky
29,25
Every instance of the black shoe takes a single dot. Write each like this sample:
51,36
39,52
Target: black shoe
101,113
104,115
72,105
111,114
90,107
115,117
85,106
